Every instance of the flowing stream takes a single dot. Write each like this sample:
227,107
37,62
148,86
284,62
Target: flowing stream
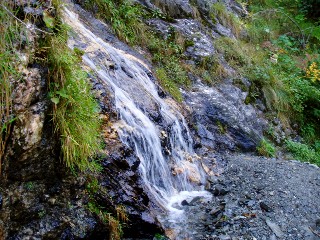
171,171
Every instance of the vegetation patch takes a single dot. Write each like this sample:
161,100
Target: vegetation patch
303,152
227,19
266,148
10,40
75,111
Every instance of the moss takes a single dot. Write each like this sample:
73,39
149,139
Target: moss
221,127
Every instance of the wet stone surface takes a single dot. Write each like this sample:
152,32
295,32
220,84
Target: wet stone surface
265,199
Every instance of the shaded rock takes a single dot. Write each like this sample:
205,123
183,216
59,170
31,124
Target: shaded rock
184,203
265,207
219,191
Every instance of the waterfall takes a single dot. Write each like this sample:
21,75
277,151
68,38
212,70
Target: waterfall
171,176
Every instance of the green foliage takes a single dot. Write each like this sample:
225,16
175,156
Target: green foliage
303,152
168,59
123,15
10,39
310,8
210,70
113,223
168,84
286,74
158,236
75,110
266,149
29,186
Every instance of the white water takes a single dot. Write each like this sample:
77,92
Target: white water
172,178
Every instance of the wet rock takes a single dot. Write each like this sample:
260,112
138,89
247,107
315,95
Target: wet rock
184,203
216,211
224,105
265,207
201,42
220,191
194,200
243,202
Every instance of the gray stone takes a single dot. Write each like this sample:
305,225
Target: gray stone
275,228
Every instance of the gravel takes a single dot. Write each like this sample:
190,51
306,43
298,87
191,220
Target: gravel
264,199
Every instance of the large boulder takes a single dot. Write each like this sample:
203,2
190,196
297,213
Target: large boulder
222,120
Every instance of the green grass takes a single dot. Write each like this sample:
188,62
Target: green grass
123,16
283,33
266,148
11,31
303,152
75,110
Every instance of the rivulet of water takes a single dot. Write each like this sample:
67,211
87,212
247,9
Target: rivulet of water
171,171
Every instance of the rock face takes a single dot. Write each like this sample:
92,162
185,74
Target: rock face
220,117
222,120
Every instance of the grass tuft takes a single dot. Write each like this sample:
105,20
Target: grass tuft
266,149
10,38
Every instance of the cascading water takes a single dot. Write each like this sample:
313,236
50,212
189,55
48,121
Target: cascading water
170,177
